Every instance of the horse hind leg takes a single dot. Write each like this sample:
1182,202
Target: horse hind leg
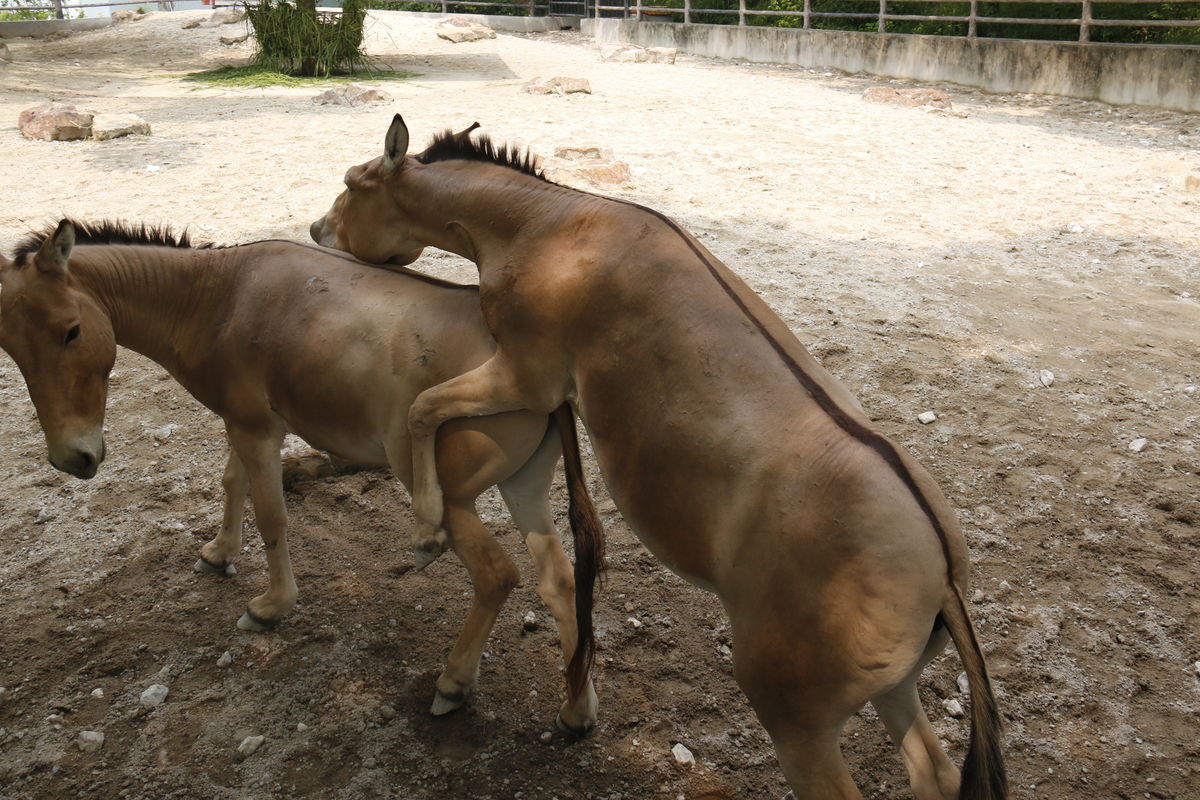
930,772
527,496
493,576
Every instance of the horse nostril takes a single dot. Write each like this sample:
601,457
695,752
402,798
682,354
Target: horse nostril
86,459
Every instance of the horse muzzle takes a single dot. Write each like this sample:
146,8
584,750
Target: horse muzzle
80,461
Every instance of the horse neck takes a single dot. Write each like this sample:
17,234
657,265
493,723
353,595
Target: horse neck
499,208
162,302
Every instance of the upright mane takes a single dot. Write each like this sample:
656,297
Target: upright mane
451,146
109,232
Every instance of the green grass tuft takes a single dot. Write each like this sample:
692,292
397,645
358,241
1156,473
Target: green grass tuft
256,77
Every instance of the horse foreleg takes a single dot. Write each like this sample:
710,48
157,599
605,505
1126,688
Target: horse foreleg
488,389
527,496
258,449
217,555
493,576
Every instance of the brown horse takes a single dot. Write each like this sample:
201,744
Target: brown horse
277,336
734,456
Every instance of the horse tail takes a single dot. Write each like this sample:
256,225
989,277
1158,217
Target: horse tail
589,551
983,775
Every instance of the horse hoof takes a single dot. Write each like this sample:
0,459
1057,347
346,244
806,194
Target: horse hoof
571,730
254,623
227,569
426,553
445,703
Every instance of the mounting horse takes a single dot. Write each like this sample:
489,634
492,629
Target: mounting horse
277,336
739,461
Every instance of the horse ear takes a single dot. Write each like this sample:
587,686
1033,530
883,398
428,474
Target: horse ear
395,144
466,132
55,252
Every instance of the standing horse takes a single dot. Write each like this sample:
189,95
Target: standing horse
739,461
277,336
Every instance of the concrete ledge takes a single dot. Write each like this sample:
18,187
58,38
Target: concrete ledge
1158,75
43,27
497,22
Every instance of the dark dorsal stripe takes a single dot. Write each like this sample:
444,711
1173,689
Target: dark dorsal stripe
451,146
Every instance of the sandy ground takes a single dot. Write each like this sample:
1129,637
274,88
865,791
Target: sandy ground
932,262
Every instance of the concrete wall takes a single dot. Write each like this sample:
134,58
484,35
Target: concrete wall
1159,75
43,27
499,22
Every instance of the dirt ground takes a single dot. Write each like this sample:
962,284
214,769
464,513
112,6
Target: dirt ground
934,262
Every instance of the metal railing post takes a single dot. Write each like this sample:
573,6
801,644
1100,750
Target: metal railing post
971,26
882,11
687,12
741,13
445,7
807,14
639,10
58,9
1085,21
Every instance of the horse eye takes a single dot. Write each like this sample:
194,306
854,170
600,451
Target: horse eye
72,334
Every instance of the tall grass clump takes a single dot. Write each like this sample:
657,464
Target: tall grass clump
293,39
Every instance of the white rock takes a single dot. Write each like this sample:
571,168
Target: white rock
301,727
112,126
164,433
953,707
90,741
225,660
977,596
97,692
683,755
1074,227
1138,445
154,695
635,622
546,737
1004,586
250,745
352,94
1046,377
44,515
387,712
529,621
1196,667
964,685
926,417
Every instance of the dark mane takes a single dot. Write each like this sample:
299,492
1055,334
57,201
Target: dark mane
110,232
451,146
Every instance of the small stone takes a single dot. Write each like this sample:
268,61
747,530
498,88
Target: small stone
387,712
44,515
90,741
977,596
1192,182
1073,227
926,417
953,707
529,622
964,685
369,762
164,433
225,660
191,23
230,41
909,98
584,153
301,727
97,693
1138,445
635,622
250,745
1004,586
124,15
683,755
661,55
1196,667
458,30
5,55
1046,377
546,737
154,695
352,94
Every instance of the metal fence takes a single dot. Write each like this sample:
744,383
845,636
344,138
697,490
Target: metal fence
805,15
